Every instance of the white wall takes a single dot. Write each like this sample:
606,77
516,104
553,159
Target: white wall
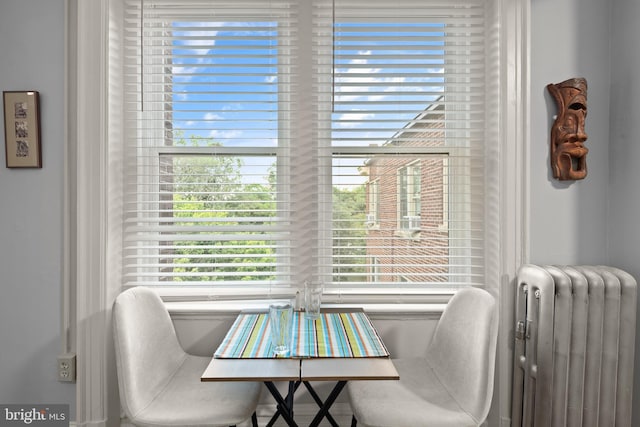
595,220
569,38
31,210
624,151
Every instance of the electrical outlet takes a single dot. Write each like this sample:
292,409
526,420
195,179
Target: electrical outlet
67,367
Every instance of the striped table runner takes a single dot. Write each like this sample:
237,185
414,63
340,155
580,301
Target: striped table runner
332,335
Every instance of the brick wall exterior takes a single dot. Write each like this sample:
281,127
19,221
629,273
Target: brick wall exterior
421,255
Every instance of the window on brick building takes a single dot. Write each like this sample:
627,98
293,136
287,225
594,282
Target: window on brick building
373,203
409,196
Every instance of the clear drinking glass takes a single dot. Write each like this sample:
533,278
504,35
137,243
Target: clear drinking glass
312,299
280,319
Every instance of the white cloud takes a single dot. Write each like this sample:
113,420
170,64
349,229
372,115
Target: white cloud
355,119
224,134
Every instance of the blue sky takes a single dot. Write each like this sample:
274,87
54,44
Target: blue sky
225,81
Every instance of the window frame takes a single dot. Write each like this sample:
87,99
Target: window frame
323,217
374,295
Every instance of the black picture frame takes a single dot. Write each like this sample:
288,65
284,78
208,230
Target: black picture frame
22,129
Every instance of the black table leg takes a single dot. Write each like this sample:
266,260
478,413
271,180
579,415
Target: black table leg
320,403
284,405
293,386
324,410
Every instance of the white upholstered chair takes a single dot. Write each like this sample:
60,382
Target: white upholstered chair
159,382
451,386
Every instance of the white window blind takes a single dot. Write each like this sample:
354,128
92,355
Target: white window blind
207,142
271,142
407,118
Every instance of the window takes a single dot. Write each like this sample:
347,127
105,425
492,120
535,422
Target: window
409,196
373,203
207,144
267,143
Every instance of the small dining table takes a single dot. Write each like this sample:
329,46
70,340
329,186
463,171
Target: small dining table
340,346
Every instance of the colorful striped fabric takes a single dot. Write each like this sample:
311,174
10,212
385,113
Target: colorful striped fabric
348,334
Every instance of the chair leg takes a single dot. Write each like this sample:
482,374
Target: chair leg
254,420
353,421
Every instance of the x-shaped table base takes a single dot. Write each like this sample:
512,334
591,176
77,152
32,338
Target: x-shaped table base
285,404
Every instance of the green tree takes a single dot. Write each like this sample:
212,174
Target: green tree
349,233
227,222
224,218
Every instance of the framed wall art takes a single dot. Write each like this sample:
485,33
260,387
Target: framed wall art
22,129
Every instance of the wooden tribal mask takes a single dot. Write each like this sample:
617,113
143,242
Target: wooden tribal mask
568,154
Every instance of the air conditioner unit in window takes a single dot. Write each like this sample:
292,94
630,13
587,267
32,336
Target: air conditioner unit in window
371,220
412,223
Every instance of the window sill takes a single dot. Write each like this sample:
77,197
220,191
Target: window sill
378,302
406,233
232,308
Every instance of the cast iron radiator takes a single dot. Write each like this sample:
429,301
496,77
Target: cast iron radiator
574,346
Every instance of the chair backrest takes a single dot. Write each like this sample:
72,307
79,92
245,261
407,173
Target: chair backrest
146,345
463,348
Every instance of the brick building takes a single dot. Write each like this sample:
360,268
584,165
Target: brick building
407,205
